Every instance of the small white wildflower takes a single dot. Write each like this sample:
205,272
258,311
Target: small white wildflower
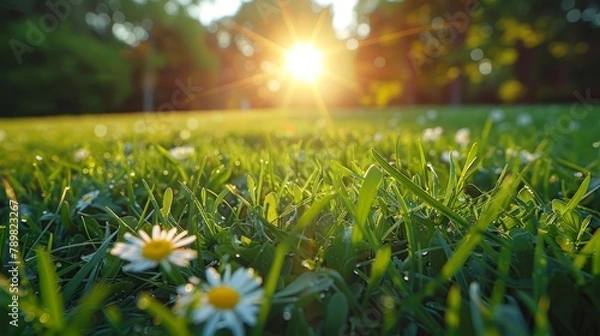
86,200
81,154
497,114
222,303
463,136
432,134
182,152
527,156
524,119
163,248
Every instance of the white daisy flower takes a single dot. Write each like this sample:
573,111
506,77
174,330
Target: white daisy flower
81,154
432,134
524,119
497,114
527,156
162,248
182,152
86,200
463,136
228,302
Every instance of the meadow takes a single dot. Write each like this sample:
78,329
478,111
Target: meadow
412,221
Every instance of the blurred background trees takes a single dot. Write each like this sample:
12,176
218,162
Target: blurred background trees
74,56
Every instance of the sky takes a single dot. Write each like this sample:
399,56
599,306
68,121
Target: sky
344,16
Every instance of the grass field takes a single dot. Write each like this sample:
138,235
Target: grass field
416,221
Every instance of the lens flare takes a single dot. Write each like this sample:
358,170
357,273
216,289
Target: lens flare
304,62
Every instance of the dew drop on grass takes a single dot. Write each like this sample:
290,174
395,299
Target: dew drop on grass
44,318
578,174
287,313
39,158
165,172
237,255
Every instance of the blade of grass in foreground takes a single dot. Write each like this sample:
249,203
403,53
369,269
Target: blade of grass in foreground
79,277
280,253
415,189
82,314
173,324
50,290
366,196
475,235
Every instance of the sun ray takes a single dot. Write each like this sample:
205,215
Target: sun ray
287,20
257,37
317,28
303,70
346,82
386,37
235,84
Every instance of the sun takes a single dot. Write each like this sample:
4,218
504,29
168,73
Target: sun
304,62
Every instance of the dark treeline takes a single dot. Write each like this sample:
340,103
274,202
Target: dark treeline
75,56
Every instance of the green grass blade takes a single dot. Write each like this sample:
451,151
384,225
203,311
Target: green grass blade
591,249
366,196
50,291
280,253
82,314
173,324
383,256
578,196
452,314
418,191
167,202
79,277
473,238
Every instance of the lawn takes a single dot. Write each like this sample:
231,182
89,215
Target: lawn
416,221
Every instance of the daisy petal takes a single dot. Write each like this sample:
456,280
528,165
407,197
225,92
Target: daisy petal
184,242
212,277
211,325
233,323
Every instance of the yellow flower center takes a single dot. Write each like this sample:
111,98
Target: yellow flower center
223,297
157,250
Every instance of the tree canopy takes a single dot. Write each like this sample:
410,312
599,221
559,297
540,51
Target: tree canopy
70,56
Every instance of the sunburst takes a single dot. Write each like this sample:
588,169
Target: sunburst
304,61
